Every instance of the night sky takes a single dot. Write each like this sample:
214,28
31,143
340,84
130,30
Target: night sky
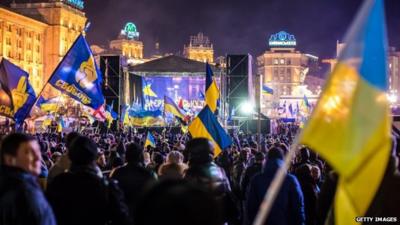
233,26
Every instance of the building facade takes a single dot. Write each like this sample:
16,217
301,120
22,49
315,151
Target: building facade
393,67
37,34
199,49
283,68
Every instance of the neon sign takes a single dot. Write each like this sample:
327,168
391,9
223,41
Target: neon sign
76,3
282,39
130,31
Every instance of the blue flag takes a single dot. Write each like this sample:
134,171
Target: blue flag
16,95
78,76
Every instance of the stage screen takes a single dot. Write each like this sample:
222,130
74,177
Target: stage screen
189,89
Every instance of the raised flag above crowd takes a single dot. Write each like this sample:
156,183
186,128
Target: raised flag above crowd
350,126
211,93
17,94
78,77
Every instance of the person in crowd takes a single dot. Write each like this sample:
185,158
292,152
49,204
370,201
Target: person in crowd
310,192
252,170
82,195
238,169
288,208
133,177
174,167
64,163
21,198
204,172
177,202
157,159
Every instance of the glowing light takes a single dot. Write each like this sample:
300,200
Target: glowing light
247,108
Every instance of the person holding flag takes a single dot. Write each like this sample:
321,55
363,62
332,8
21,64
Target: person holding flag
350,126
211,92
18,94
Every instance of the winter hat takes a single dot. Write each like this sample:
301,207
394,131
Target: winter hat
83,151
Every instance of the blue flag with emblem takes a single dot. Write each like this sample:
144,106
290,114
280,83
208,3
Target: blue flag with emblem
16,93
77,75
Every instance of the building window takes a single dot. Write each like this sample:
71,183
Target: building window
289,62
38,37
276,62
282,71
9,27
282,61
9,54
288,71
8,41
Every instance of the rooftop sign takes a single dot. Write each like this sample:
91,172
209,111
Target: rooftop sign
282,39
80,4
130,31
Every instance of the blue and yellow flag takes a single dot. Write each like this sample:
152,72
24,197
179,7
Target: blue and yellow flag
48,105
207,126
211,92
150,141
171,107
111,115
146,118
77,75
267,90
60,124
350,126
16,95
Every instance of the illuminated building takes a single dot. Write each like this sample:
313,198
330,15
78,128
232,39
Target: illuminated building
36,35
393,66
199,49
283,67
128,43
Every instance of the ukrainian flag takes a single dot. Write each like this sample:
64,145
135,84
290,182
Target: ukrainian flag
150,141
207,126
146,118
212,92
267,90
350,126
170,106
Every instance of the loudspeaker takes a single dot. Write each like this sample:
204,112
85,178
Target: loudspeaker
110,67
240,86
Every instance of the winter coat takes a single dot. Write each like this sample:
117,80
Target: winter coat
81,196
288,208
21,199
132,179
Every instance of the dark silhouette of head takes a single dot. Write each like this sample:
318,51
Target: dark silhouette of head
200,151
134,153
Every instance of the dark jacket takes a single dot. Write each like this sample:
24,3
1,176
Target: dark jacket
249,173
80,196
288,208
21,199
213,178
133,178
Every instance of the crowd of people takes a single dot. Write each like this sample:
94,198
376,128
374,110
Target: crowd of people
111,178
